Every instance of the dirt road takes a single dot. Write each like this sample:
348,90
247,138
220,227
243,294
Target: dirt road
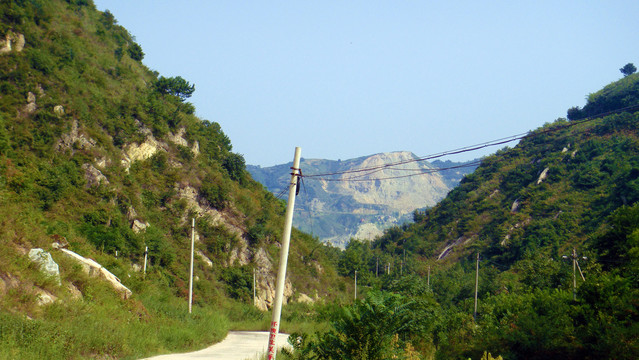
238,345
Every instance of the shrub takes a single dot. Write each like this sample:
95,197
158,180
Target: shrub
135,51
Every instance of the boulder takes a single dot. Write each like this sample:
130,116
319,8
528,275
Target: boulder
44,297
12,42
93,176
305,299
138,226
74,139
515,206
92,268
543,176
58,110
31,106
47,265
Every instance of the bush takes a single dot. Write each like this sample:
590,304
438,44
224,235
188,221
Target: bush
41,61
135,52
376,328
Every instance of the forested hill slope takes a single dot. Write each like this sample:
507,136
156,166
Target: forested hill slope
103,156
554,191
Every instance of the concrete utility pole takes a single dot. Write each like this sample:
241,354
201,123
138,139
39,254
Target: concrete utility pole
575,266
476,287
355,284
286,239
146,253
191,275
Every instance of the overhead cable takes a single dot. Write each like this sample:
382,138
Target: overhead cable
364,172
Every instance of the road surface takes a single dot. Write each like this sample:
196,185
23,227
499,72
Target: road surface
238,345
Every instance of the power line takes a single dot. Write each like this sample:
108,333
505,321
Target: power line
393,165
419,172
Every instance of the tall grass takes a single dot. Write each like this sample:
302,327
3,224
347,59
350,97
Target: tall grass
102,325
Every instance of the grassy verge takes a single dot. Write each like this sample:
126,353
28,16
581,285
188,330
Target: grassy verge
104,326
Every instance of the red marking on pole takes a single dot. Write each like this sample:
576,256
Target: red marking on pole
271,340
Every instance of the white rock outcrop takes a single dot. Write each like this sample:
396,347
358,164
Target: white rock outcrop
178,138
427,189
47,265
266,282
12,42
204,258
31,106
515,206
58,110
93,176
74,139
137,152
543,176
92,268
138,226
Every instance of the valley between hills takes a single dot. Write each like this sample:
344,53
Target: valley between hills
338,208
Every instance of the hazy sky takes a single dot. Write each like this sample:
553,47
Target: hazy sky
344,79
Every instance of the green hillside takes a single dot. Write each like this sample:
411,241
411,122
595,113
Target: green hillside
553,191
102,157
105,157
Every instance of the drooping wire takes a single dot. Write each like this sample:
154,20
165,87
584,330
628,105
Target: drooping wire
280,195
419,172
502,141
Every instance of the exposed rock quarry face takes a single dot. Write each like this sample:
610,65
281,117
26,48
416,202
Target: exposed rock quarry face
425,190
337,211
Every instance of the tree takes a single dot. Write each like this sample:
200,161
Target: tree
575,113
175,86
136,53
235,166
628,69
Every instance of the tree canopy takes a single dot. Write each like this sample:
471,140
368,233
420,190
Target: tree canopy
628,69
175,86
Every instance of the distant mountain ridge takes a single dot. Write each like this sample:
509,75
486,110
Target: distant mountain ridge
342,207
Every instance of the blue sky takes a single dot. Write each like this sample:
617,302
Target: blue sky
344,79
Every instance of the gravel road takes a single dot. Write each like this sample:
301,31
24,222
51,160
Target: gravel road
238,345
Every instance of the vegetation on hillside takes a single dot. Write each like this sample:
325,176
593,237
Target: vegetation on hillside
104,156
567,185
91,142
